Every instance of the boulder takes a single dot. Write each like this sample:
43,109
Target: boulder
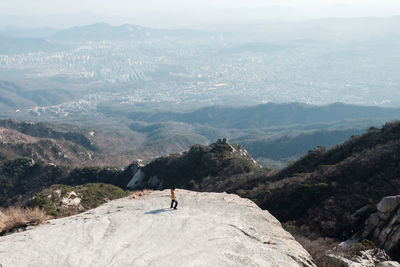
388,204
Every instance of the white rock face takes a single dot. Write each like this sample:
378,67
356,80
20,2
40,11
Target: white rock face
208,229
136,180
71,200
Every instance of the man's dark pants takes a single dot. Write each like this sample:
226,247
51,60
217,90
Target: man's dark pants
172,204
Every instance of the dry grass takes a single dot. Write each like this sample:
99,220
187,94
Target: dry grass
14,218
138,194
35,215
2,221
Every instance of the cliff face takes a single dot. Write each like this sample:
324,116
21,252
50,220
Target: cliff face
207,229
383,226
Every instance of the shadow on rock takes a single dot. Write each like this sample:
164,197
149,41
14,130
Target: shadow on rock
157,211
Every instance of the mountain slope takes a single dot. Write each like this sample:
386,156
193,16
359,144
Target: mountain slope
278,132
324,190
43,130
45,142
294,145
144,232
22,178
271,114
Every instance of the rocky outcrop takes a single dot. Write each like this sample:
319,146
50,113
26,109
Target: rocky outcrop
388,264
208,229
135,166
343,258
71,199
383,227
189,169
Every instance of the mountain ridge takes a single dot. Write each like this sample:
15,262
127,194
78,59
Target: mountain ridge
271,114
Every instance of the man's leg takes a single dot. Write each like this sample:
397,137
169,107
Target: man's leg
172,203
176,204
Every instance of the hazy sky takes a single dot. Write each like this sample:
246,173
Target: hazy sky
189,12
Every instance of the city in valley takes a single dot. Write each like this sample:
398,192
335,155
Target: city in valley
69,71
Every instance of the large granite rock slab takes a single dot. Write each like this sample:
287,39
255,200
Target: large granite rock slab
207,229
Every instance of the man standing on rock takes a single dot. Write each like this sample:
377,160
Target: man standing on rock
173,198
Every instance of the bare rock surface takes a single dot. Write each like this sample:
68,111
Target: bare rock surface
347,255
208,229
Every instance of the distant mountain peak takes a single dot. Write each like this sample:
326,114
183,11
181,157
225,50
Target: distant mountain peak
101,31
188,169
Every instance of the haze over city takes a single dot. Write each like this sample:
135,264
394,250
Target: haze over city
179,13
